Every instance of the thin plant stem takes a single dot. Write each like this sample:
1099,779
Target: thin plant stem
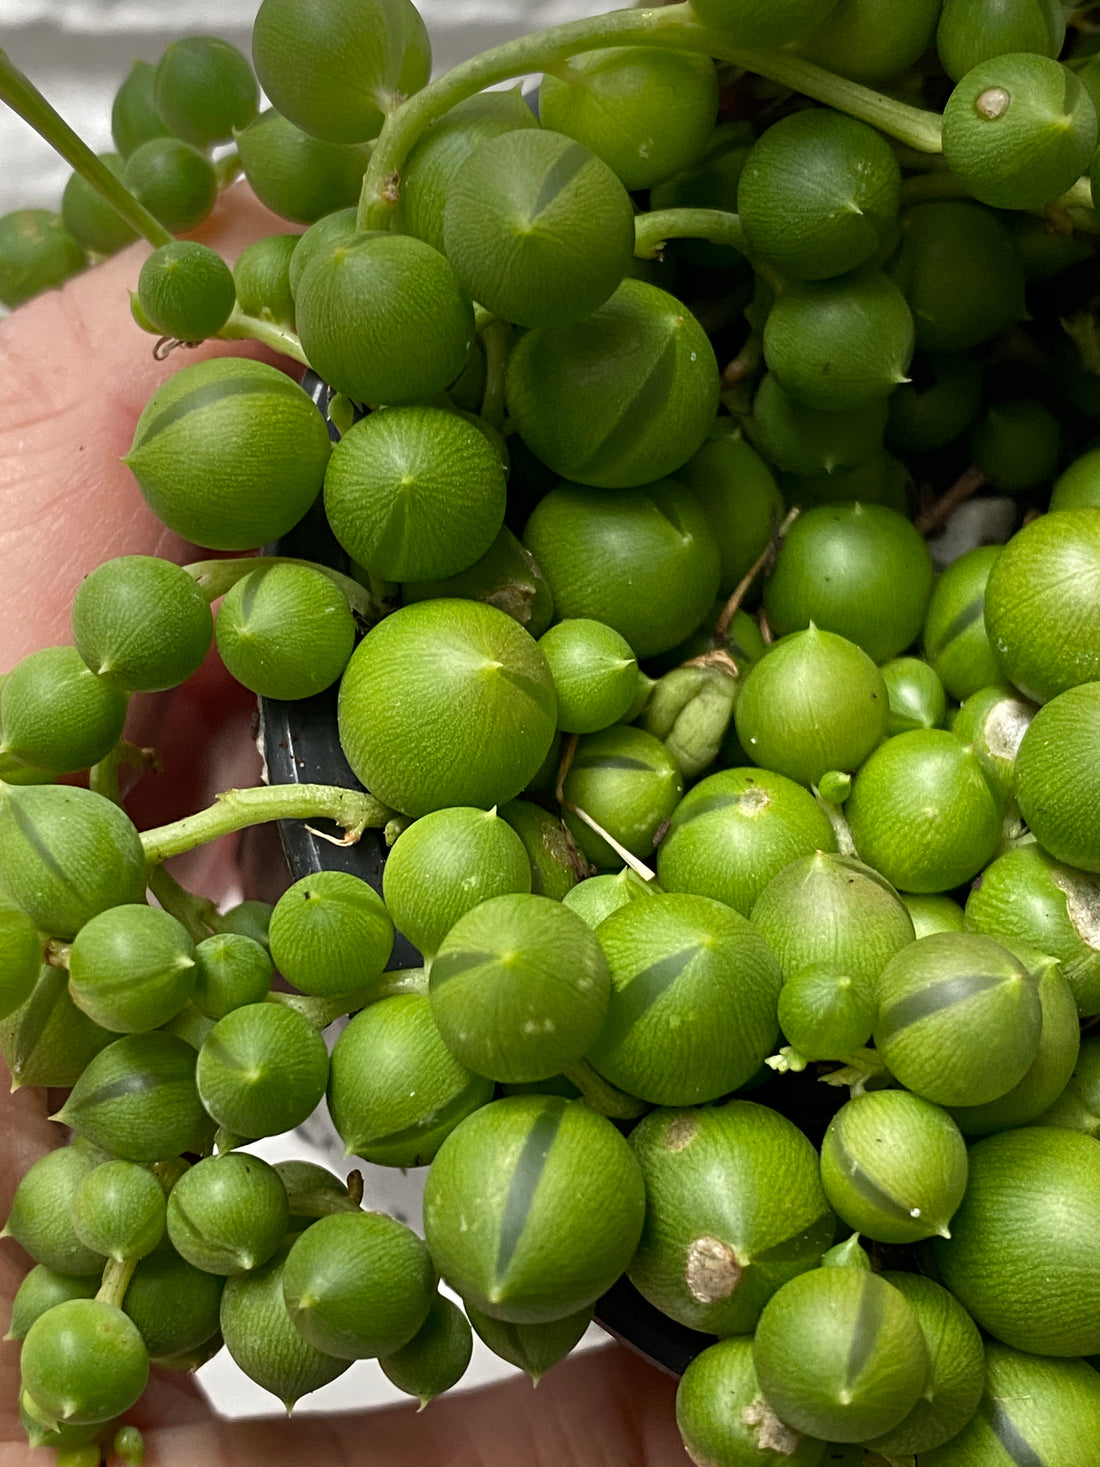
241,327
23,97
353,810
602,1096
215,577
671,25
198,914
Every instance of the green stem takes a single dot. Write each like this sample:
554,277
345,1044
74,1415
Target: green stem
215,577
400,980
234,810
845,845
653,231
670,25
322,1009
240,327
494,339
23,97
604,1097
117,1274
103,777
197,914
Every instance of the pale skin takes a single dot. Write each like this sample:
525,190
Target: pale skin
74,375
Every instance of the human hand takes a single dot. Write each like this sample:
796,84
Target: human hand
74,375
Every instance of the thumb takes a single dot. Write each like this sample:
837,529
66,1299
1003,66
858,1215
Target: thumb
75,373
606,1408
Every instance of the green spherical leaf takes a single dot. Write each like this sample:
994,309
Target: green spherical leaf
519,988
1056,772
695,973
1041,615
298,176
137,1099
894,1166
358,1285
141,623
260,1336
336,71
204,90
134,115
538,228
644,563
132,968
186,290
66,854
413,673
840,344
118,1210
860,570
839,1354
735,1208
1019,130
40,1219
533,1207
84,1361
230,453
818,195
330,933
413,322
415,493
444,864
816,702
647,112
36,253
262,1070
1017,1180
959,1018
735,830
921,811
89,218
619,398
228,1213
58,714
174,181
395,1090
285,631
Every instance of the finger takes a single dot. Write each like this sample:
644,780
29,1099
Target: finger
606,1408
75,373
